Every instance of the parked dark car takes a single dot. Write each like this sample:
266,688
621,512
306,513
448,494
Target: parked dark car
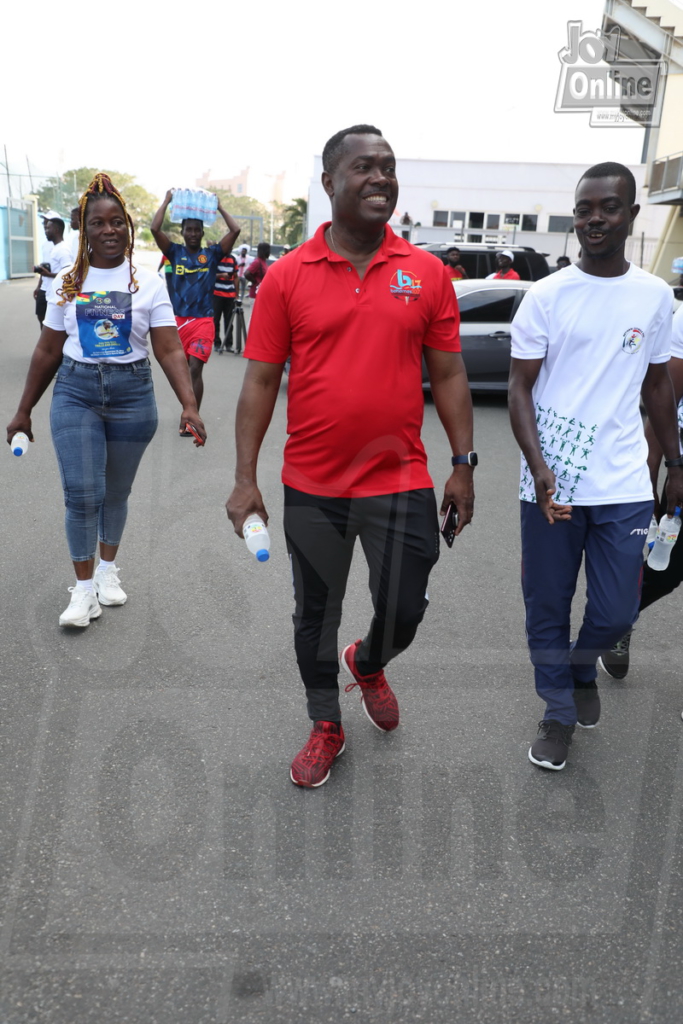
486,312
479,259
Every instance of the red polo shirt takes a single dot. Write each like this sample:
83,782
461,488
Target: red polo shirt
355,401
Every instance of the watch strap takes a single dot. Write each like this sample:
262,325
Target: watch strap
674,462
470,459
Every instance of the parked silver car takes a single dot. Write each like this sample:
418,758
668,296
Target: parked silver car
486,312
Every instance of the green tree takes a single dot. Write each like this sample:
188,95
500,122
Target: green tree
294,221
62,194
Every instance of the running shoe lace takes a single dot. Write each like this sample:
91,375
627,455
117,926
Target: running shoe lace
322,748
622,646
556,729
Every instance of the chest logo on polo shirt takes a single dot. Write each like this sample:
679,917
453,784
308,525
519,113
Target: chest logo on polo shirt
405,285
633,340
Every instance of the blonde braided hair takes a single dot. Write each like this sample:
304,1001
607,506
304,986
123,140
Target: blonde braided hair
100,187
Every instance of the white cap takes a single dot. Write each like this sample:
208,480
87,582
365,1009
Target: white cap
506,252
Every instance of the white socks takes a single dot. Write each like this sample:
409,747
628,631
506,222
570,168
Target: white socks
88,584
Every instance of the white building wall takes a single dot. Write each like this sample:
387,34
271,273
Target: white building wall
500,188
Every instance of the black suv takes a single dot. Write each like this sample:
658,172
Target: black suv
479,259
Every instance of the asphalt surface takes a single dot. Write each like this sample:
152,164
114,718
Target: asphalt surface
158,866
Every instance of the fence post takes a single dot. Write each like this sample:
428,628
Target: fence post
642,248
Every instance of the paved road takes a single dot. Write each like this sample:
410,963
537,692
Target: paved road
157,866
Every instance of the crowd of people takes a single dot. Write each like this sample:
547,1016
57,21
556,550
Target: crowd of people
587,342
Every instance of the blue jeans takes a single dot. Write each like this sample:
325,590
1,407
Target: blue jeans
103,416
612,537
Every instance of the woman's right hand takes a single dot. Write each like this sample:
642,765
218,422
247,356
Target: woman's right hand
21,422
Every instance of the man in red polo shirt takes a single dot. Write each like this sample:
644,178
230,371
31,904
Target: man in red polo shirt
355,308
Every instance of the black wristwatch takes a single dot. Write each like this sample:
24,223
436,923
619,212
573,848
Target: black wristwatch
674,462
471,459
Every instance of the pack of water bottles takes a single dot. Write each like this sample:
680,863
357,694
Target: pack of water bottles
193,203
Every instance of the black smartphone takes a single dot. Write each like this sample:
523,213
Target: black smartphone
449,524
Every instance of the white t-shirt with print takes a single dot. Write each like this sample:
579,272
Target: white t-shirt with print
596,336
107,323
59,259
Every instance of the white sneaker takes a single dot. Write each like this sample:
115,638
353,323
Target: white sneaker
83,607
107,586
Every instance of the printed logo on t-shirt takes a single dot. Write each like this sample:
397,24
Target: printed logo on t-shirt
633,339
405,285
566,444
104,323
201,258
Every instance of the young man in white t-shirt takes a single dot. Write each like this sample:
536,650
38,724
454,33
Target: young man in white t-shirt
60,255
584,344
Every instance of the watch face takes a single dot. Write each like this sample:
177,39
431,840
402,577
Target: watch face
474,459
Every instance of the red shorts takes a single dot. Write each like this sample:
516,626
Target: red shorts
196,335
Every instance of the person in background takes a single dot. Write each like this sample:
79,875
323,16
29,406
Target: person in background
257,268
243,261
75,232
455,269
165,271
562,263
60,255
103,413
224,297
40,292
194,276
504,261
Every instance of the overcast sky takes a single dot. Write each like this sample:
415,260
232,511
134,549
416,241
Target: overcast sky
143,88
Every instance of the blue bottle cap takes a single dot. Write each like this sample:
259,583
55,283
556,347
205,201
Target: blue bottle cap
17,451
677,510
263,555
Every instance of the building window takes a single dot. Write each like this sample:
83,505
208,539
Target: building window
474,238
560,224
476,220
239,187
512,218
440,219
458,219
529,222
492,221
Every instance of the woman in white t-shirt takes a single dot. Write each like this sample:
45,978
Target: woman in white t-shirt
103,412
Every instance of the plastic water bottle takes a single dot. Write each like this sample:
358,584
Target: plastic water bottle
651,535
667,535
19,443
256,537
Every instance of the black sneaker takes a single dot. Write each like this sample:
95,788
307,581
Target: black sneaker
587,700
615,662
551,746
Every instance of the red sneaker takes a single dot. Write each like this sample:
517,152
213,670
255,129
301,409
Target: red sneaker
377,697
311,766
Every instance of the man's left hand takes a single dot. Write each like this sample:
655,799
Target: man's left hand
459,490
674,489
